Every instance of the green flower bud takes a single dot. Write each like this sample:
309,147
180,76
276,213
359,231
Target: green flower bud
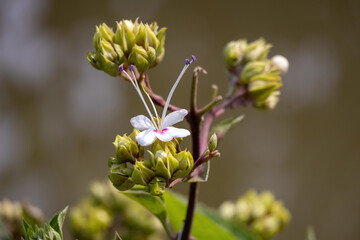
157,186
212,143
139,58
151,52
120,178
160,50
107,50
125,36
106,33
142,175
270,102
257,51
252,69
260,90
234,53
186,163
126,149
161,165
266,227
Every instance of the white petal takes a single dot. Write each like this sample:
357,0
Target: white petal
141,122
146,138
173,118
163,136
177,132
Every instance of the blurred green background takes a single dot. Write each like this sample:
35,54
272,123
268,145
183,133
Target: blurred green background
59,116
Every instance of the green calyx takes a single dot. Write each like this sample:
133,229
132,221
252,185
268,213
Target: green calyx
132,43
164,164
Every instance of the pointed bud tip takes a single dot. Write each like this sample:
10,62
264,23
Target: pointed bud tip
132,68
121,68
193,58
187,61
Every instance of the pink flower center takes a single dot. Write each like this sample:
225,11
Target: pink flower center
162,132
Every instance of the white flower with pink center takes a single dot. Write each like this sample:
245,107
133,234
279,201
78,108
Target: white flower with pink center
156,128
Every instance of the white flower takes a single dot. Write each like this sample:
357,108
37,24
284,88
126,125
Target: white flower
164,133
161,128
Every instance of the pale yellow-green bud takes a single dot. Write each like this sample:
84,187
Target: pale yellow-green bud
267,226
142,175
212,142
234,53
161,164
126,149
260,90
227,210
106,33
120,178
125,36
139,57
242,210
270,102
257,51
252,69
186,163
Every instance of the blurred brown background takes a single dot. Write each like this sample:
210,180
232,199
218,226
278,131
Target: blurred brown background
59,116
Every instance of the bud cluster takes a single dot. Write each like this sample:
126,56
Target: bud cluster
255,73
132,43
260,212
165,164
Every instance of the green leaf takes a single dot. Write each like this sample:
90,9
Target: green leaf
57,222
207,225
225,126
200,174
152,203
27,229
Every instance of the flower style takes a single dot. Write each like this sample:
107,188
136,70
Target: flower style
154,127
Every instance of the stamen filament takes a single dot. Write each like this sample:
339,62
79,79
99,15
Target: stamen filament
152,104
187,64
142,98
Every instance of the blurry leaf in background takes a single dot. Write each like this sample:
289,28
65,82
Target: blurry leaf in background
152,203
208,224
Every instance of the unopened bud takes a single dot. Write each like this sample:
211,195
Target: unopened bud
139,58
234,53
212,142
257,51
281,62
